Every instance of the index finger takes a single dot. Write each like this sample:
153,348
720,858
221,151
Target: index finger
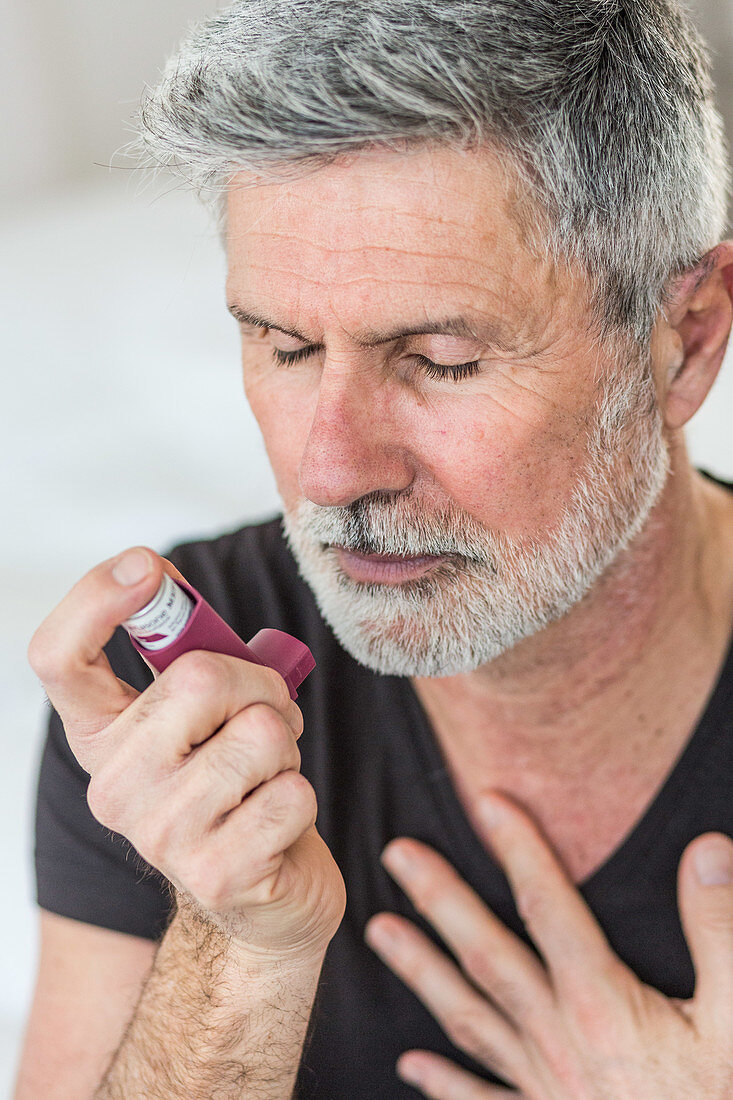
66,651
556,916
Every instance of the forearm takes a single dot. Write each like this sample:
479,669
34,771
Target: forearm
212,1022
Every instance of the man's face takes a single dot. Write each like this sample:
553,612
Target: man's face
440,513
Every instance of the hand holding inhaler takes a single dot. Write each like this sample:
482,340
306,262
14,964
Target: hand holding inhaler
200,772
178,619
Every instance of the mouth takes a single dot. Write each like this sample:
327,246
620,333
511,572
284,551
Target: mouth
384,568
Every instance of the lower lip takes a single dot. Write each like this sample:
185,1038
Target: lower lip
372,569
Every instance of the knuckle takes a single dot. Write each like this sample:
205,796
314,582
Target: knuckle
595,1020
562,1063
289,795
275,806
300,792
600,996
590,1017
465,1032
531,906
488,1054
475,961
36,652
147,706
153,835
256,737
198,671
266,728
507,990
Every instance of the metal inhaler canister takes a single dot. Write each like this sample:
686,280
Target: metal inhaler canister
179,619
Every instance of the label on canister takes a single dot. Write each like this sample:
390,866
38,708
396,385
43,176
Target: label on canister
161,621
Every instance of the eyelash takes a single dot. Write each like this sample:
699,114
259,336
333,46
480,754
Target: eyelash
455,371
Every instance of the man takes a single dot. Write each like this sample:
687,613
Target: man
473,251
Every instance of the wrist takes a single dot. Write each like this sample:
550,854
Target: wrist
209,939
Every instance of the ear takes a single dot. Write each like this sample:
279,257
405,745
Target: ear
698,323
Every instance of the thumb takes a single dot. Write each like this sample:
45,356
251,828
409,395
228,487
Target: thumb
705,895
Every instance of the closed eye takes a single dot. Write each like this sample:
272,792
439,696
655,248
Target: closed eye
454,371
286,357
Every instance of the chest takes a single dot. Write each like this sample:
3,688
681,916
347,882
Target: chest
583,828
586,817
588,790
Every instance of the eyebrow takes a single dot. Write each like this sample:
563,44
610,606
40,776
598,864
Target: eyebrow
489,333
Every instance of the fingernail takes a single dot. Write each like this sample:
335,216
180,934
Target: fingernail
714,863
132,567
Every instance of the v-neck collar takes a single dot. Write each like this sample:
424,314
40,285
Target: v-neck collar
636,849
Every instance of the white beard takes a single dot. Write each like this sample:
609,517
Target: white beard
491,591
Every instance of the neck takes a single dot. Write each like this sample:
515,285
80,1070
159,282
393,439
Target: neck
659,618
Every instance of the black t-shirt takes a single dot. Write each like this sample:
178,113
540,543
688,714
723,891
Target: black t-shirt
378,772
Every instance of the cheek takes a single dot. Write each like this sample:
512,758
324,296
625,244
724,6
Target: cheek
511,460
512,471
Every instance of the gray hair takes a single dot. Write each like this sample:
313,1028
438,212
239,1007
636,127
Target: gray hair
602,108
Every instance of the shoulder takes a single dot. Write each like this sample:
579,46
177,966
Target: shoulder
718,495
717,488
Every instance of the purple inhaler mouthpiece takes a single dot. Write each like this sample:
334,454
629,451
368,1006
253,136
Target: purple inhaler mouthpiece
179,619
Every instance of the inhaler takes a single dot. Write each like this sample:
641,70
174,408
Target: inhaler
179,619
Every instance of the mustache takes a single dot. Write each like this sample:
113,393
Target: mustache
396,523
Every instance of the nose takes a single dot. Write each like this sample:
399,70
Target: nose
354,445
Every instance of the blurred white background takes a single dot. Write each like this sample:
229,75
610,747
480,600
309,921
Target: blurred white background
122,419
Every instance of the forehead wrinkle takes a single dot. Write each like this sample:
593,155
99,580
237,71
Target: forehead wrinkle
355,185
383,227
391,279
514,311
525,321
345,250
358,214
520,332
